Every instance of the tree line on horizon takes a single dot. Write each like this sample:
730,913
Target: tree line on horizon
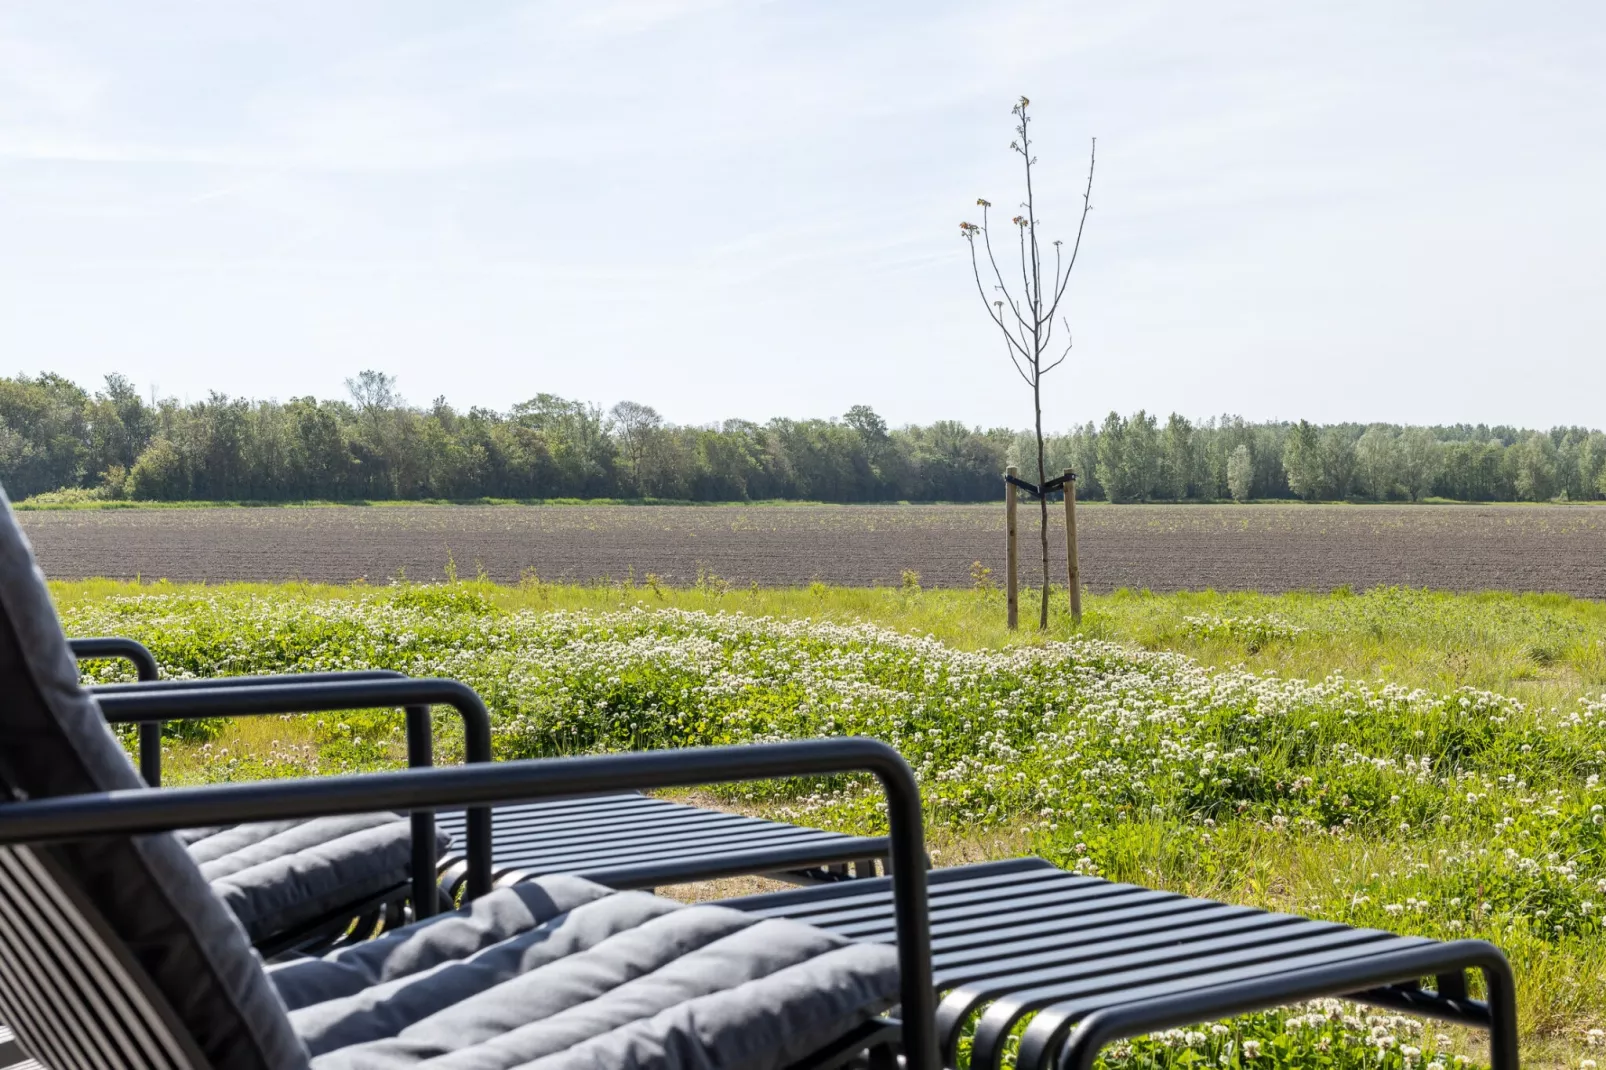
56,436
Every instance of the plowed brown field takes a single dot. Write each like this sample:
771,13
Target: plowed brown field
1261,547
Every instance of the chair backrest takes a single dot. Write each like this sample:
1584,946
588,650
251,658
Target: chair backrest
113,945
65,991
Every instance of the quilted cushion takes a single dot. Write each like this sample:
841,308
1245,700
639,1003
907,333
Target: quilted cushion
279,875
53,742
558,973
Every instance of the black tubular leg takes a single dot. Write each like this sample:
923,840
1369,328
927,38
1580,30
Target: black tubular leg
150,752
477,821
1502,986
1452,986
421,754
150,732
911,909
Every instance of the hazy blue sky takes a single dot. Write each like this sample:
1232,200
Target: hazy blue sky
1368,209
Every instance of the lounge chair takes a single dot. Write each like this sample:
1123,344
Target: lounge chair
623,840
114,951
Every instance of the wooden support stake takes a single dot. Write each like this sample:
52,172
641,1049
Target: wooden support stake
1073,571
1011,553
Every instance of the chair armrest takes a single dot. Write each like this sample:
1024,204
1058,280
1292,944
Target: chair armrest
150,732
132,812
115,647
213,682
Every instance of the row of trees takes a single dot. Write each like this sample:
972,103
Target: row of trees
55,435
1136,458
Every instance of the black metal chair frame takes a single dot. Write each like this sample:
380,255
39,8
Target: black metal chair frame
484,785
815,860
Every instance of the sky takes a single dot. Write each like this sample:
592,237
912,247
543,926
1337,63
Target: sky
1349,210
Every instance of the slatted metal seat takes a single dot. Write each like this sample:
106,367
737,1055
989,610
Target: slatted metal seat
1094,961
631,840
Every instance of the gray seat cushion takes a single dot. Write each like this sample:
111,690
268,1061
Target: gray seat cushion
146,890
562,973
278,876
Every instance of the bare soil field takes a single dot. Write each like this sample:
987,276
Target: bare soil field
1163,547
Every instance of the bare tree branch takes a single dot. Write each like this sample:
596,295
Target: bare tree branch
987,241
1035,289
1087,206
1048,324
1010,351
976,271
1063,355
1018,369
1025,278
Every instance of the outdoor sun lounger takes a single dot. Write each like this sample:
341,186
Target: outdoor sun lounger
114,951
623,840
1096,961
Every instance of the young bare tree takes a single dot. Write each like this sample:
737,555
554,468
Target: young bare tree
1027,319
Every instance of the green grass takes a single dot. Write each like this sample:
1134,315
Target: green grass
1544,649
1439,773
